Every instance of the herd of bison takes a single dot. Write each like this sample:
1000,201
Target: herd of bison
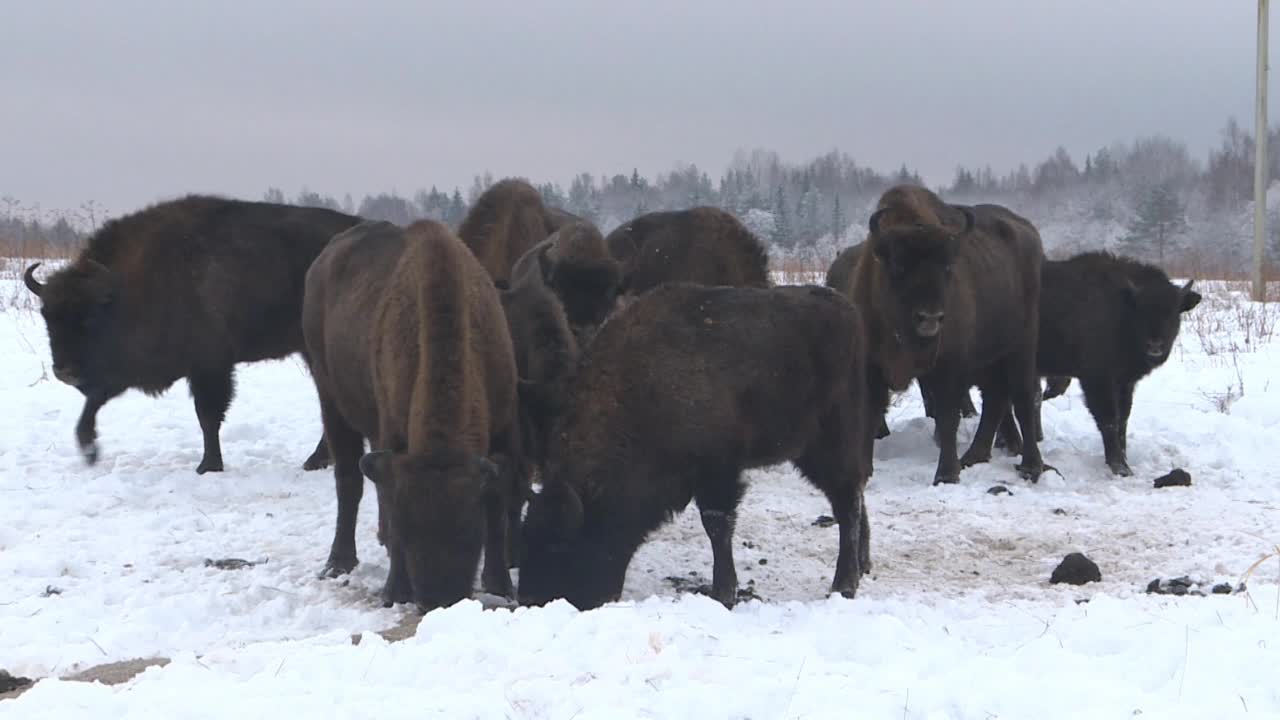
631,373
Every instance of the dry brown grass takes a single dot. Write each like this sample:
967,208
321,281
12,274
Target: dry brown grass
800,271
14,258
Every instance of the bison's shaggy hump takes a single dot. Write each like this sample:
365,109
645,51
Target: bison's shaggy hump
675,397
702,245
505,221
183,288
410,350
950,294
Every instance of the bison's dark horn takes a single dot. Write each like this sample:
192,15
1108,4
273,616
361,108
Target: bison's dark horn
29,277
487,469
1188,285
373,465
874,223
969,219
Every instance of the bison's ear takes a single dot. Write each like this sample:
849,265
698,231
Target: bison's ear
874,223
376,466
1190,298
880,247
969,220
29,277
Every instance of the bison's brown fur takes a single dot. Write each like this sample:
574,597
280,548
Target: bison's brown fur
576,265
951,296
505,221
186,288
702,245
410,350
676,395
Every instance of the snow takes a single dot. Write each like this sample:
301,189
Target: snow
957,620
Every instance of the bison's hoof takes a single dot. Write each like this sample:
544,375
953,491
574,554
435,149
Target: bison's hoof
207,466
500,586
848,590
89,451
946,478
1121,468
316,463
1031,472
972,457
337,567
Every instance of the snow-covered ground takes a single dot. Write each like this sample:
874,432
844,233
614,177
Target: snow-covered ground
958,619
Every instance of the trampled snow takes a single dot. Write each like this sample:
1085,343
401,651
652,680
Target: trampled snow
107,563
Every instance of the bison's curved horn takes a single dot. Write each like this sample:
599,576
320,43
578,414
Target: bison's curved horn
969,220
1188,285
29,277
874,223
376,465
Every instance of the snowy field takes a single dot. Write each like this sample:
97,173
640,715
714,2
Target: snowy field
958,619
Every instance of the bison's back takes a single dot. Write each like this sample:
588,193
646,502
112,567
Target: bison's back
702,245
443,367
840,274
691,372
222,277
343,288
506,220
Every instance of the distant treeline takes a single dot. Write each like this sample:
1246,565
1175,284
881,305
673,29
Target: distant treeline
1148,198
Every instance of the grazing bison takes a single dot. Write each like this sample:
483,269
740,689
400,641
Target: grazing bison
950,295
505,221
186,288
410,350
1108,321
702,245
576,265
840,279
677,395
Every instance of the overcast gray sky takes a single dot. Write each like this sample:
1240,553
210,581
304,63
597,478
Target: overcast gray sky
125,102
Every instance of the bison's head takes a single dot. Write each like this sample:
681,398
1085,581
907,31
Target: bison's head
77,303
916,261
435,507
1157,312
583,274
564,560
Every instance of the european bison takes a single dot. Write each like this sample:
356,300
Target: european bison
505,221
1109,321
410,350
186,288
840,279
678,394
702,245
576,265
949,294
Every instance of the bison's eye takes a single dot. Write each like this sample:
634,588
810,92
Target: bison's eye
946,269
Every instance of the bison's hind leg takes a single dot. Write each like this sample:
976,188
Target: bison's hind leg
211,391
718,490
347,445
832,464
319,458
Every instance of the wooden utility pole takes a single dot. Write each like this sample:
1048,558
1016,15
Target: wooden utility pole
1260,160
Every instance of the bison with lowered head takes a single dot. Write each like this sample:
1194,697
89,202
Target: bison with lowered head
676,395
950,296
575,264
1109,321
410,350
186,288
702,245
505,221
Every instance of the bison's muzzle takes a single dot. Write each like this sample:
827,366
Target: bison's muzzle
928,324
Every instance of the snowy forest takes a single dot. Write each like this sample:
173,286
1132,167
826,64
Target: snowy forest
1150,198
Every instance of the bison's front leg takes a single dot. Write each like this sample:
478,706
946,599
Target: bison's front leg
1026,405
995,407
1100,396
87,425
212,393
852,519
346,445
495,578
1125,407
397,589
947,423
